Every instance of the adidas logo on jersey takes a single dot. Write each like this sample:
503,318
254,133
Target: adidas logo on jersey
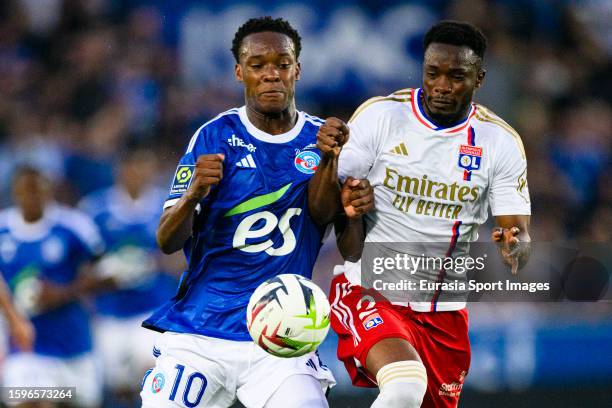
247,162
235,141
400,149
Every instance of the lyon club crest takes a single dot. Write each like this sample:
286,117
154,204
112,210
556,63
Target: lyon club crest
307,161
470,157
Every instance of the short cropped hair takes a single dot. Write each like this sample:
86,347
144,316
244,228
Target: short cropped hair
457,33
261,24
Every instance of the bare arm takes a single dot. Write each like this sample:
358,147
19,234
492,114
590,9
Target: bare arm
513,237
323,187
357,198
21,328
350,235
176,223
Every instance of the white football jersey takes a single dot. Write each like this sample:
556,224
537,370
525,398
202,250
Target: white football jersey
433,184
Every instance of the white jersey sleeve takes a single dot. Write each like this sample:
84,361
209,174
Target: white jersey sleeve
359,153
509,193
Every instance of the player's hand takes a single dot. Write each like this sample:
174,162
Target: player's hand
509,244
332,135
22,332
208,172
357,197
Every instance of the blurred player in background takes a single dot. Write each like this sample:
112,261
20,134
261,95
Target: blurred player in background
436,162
238,208
127,215
44,248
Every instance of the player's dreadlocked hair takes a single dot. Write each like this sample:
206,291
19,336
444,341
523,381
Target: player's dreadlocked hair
267,23
457,33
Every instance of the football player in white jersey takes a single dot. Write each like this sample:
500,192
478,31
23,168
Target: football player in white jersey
436,162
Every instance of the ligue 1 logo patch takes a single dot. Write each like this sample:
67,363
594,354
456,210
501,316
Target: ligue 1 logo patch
373,321
182,179
470,157
307,161
158,383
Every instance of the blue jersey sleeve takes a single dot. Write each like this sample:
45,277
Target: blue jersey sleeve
204,141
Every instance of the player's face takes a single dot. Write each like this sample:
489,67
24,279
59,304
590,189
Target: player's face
269,69
31,193
451,74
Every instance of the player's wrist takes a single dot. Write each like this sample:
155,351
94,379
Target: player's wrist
328,159
354,219
191,198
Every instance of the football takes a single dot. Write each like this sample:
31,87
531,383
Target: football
288,316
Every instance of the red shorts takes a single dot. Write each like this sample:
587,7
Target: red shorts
440,338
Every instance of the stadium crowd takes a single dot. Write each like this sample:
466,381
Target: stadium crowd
81,80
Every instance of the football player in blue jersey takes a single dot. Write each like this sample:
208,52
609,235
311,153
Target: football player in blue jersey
238,209
43,250
127,214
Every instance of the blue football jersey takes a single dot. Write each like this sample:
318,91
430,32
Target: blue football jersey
128,228
53,249
254,225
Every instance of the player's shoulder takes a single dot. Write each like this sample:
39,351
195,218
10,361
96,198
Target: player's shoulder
382,104
493,127
96,202
74,220
220,120
211,128
312,119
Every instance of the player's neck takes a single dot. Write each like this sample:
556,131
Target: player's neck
133,192
274,124
32,217
445,120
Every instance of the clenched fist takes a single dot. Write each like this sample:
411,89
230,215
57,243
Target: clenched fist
509,244
357,197
208,172
332,135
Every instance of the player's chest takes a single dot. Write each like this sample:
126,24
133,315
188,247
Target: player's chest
443,161
139,231
50,256
264,167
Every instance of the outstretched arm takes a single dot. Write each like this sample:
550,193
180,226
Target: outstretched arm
512,235
323,188
176,223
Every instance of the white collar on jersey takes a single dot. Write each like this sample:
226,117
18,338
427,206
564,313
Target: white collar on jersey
267,137
30,231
